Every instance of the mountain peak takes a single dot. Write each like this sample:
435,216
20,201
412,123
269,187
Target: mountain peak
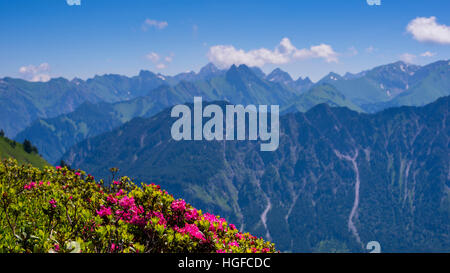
241,71
278,75
332,76
146,73
306,80
208,69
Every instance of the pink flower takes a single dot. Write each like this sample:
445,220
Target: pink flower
192,230
221,251
77,173
116,182
212,219
126,202
120,192
111,199
234,244
58,167
53,203
178,205
191,214
30,186
113,247
56,247
156,214
104,211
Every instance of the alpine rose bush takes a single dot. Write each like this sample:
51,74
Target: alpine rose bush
59,210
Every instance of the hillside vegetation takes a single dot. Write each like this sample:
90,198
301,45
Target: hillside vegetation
10,148
59,210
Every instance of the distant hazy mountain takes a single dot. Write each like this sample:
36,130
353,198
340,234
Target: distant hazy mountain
339,177
280,76
22,102
393,85
369,91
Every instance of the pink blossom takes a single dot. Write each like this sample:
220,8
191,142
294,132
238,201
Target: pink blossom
58,167
120,192
212,219
126,202
30,186
191,214
192,230
53,203
111,199
157,214
178,205
77,173
103,211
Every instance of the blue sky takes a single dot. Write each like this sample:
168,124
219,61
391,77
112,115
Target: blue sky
50,38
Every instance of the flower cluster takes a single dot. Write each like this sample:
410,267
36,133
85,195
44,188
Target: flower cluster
71,208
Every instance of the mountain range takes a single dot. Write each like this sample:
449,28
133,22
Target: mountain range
339,177
121,98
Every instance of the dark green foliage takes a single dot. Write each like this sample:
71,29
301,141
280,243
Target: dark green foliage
28,147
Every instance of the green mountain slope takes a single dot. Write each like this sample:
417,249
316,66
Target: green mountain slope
431,83
323,93
11,149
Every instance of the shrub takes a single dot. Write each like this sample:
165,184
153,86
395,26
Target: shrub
59,210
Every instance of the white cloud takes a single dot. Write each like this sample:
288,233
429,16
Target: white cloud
73,2
408,58
161,66
227,55
426,29
152,56
33,73
161,62
154,23
428,54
